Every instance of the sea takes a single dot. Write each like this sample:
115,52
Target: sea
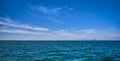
65,50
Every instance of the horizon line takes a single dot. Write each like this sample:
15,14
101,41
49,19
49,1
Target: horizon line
59,40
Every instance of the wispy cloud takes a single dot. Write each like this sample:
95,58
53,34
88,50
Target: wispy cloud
20,31
89,31
44,33
51,13
61,35
6,22
114,35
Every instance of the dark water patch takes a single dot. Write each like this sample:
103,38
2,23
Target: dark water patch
108,59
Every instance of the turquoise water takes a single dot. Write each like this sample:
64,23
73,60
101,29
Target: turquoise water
59,50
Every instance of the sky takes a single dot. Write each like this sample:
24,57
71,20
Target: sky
59,19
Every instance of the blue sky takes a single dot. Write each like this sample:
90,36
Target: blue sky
59,19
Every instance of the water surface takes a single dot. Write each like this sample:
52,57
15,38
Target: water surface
59,50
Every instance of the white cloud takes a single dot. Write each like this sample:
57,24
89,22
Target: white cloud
89,31
11,24
84,34
20,31
61,35
5,19
50,13
55,11
48,10
114,35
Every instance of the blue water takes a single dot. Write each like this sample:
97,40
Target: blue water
59,50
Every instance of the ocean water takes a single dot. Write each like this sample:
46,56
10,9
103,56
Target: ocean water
60,50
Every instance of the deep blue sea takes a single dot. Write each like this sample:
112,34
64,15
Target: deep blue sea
59,50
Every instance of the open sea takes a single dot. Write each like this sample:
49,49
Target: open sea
59,50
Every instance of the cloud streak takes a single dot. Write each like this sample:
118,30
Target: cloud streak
89,31
20,32
44,33
61,35
51,13
5,21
